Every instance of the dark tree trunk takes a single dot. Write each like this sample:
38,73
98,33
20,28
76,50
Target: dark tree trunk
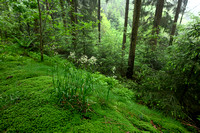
182,16
156,23
20,23
175,22
124,36
131,59
63,13
41,39
28,29
125,24
73,22
76,10
184,8
99,19
48,9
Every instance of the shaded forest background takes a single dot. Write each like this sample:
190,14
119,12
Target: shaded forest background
162,69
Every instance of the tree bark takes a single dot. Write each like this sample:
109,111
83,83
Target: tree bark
48,10
76,10
131,59
184,8
63,13
125,25
175,22
124,36
99,19
41,39
73,22
156,23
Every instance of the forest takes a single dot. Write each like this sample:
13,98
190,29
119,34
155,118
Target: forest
99,66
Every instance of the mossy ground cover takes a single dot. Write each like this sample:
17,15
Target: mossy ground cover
28,103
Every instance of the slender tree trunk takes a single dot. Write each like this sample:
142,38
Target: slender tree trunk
125,24
20,23
63,13
131,59
1,35
28,29
48,10
182,16
156,23
124,36
175,22
184,8
99,19
76,10
41,39
73,23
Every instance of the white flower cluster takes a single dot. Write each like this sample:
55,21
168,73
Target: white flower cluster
83,59
92,60
72,55
53,47
55,53
114,69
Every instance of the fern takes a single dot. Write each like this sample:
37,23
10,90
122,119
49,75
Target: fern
25,42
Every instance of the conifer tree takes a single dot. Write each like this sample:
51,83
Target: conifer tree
131,59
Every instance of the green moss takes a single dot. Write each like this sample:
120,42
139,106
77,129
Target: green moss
28,103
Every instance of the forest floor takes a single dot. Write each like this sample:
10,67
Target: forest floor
28,104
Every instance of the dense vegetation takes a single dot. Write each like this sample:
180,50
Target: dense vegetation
32,102
74,66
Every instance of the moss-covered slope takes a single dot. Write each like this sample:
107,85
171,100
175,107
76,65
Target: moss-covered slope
28,103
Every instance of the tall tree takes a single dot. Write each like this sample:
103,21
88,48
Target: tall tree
73,22
124,35
41,39
99,19
157,19
185,2
173,30
131,59
125,25
63,13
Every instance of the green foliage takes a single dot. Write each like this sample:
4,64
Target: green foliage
183,67
168,77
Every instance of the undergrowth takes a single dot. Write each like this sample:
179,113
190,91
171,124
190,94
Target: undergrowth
30,100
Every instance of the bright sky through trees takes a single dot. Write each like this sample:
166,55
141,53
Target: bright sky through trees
193,6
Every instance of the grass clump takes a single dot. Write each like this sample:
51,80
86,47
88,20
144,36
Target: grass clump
72,87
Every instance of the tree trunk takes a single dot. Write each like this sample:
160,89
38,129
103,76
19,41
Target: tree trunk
20,24
156,23
63,13
125,24
99,19
175,22
76,10
48,10
124,36
41,39
182,16
184,8
73,22
131,59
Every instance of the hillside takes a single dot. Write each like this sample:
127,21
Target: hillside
29,100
